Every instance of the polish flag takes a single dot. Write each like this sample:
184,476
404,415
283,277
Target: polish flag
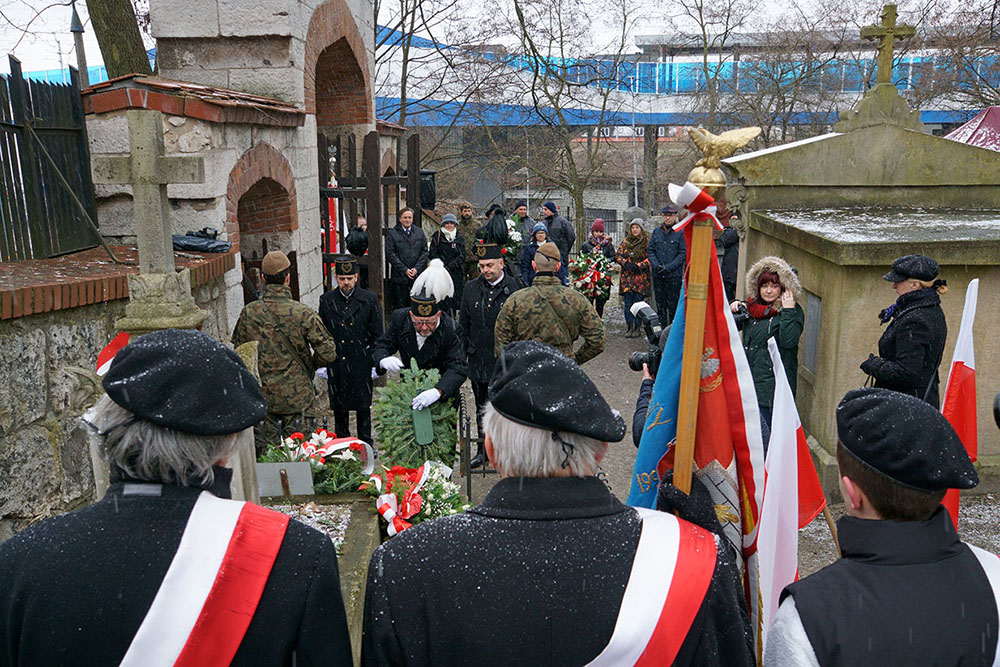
959,406
106,356
792,495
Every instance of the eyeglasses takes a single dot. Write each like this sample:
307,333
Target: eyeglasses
423,324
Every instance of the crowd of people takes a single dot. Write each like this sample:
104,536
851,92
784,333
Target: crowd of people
550,567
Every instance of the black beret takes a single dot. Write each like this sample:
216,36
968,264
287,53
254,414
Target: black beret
535,384
669,208
905,439
920,267
187,381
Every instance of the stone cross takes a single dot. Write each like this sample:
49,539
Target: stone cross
148,171
159,297
887,34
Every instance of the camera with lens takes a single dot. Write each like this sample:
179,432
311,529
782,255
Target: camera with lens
651,327
741,316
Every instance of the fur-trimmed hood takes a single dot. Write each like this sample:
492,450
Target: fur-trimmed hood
789,280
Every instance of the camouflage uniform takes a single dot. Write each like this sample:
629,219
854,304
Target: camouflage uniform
468,227
528,315
287,386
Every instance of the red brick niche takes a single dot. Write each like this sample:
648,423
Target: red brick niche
337,80
260,196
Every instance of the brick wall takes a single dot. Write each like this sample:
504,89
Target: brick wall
341,95
264,208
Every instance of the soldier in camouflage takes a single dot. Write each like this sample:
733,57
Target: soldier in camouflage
293,345
550,313
467,227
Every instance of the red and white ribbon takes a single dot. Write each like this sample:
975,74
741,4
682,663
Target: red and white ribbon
387,507
698,203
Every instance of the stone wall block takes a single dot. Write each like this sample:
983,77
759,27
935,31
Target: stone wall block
218,163
183,18
107,134
74,343
114,215
77,488
188,215
242,18
23,391
283,83
30,483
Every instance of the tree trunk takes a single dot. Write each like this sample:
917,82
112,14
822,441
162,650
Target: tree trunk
118,35
650,151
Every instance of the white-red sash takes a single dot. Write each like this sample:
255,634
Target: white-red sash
213,585
670,574
991,566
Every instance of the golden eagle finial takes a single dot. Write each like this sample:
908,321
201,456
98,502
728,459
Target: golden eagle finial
715,147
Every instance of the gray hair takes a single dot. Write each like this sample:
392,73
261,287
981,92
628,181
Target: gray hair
526,451
145,451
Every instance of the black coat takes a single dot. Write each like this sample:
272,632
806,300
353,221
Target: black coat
533,576
74,588
562,233
481,303
442,350
911,347
405,251
666,252
355,324
452,255
904,593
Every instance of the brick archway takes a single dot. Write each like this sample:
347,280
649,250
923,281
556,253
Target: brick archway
265,176
337,80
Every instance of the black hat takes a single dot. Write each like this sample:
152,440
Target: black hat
537,385
186,381
519,203
423,305
669,208
920,267
346,265
487,251
905,439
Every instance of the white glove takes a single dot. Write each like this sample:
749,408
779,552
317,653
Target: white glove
321,372
374,373
425,399
391,364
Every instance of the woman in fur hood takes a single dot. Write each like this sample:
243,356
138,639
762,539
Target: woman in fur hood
771,310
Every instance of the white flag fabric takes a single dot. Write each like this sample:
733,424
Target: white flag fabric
778,536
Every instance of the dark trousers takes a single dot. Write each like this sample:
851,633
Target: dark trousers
629,299
342,424
480,392
667,291
401,293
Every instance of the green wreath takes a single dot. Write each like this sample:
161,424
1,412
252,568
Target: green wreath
392,415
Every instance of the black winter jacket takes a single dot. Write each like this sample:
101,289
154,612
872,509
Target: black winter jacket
561,233
452,255
405,251
481,303
911,347
442,350
355,323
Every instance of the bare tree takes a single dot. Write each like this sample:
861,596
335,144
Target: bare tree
118,35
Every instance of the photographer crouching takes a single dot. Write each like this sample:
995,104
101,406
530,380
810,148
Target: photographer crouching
648,362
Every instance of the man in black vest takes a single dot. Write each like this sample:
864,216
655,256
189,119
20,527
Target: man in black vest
907,591
353,317
481,303
551,568
134,579
406,252
425,333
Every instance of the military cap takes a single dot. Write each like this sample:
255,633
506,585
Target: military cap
668,209
422,305
547,256
537,385
449,217
488,251
274,263
905,439
186,381
920,267
346,265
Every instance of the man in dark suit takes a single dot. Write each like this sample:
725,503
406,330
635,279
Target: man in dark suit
134,579
481,303
425,333
406,252
353,317
551,568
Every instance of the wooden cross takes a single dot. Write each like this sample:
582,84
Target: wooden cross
148,171
887,34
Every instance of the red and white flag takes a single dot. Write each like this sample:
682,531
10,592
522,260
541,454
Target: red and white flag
106,355
959,406
792,494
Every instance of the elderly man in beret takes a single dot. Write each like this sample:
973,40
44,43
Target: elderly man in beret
551,568
906,591
166,569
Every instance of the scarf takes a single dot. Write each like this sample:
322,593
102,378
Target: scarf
449,236
760,310
593,240
636,246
